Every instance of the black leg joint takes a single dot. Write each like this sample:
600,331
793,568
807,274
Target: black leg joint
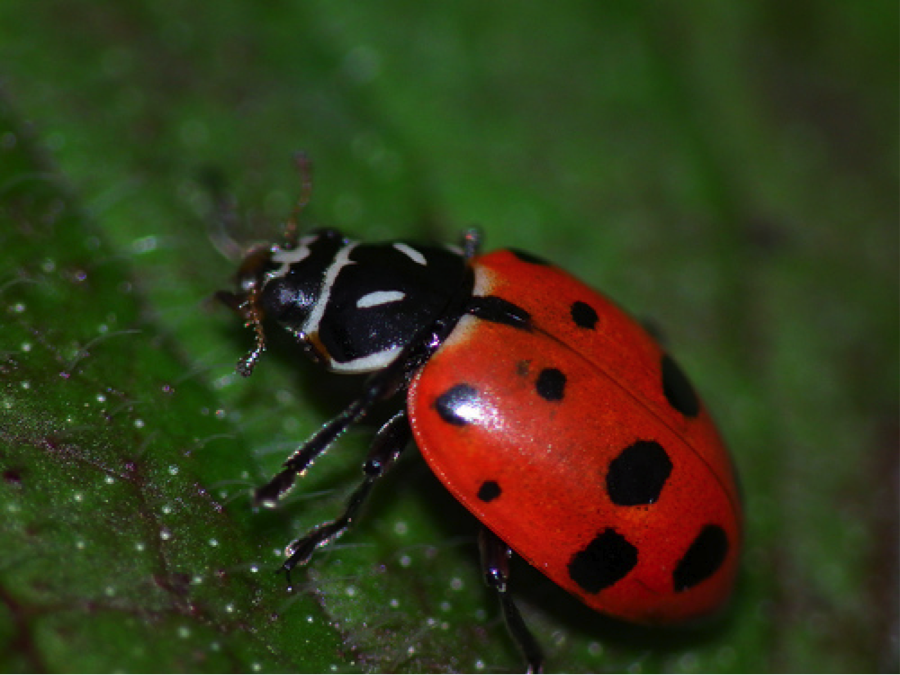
495,555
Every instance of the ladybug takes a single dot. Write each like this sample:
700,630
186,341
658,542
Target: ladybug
547,411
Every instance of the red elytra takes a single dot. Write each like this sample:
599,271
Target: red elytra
582,446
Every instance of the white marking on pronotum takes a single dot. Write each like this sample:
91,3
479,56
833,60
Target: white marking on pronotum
289,256
341,260
379,298
367,364
411,253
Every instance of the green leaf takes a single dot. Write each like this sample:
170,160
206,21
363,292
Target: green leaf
121,550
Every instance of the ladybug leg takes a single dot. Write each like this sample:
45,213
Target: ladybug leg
386,447
271,492
292,228
379,387
471,242
495,556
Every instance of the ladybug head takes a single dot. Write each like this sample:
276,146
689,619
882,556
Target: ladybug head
285,283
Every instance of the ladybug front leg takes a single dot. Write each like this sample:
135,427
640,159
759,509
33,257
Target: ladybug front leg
386,447
269,494
495,556
381,386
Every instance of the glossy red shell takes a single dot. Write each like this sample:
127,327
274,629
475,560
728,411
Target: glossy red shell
550,459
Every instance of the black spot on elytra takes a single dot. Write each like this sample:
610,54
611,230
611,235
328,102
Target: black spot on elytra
584,315
458,404
603,562
678,389
13,476
528,257
703,558
489,491
638,474
551,384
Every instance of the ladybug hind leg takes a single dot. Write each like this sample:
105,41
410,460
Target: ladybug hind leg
495,555
386,447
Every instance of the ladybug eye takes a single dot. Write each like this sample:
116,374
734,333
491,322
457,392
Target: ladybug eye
287,302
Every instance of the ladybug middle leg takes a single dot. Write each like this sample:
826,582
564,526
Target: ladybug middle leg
386,447
495,556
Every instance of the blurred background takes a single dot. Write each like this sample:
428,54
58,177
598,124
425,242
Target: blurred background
728,170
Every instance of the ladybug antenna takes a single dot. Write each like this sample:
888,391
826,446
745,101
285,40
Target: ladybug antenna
253,319
291,228
222,221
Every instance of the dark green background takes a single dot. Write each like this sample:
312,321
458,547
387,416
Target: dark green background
729,169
